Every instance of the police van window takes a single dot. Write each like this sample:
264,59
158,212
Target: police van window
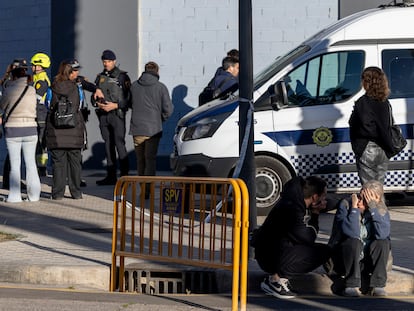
398,65
328,78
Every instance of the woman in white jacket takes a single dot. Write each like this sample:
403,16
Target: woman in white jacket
21,132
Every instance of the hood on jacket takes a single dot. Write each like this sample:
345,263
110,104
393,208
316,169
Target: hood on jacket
63,87
148,78
293,190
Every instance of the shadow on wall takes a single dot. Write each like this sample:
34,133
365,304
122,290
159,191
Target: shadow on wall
63,14
97,158
181,108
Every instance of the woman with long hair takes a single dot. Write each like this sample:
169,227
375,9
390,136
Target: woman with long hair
65,144
370,127
19,107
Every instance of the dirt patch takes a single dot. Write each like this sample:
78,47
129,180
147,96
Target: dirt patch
7,237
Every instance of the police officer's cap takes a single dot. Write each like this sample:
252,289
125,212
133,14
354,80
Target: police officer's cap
19,63
108,55
73,63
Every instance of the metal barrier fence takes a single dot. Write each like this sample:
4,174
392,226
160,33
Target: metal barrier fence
200,222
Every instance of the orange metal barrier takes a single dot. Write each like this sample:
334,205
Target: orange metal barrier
192,221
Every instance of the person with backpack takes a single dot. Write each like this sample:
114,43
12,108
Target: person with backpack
65,129
111,109
224,82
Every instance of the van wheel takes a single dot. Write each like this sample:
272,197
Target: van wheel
271,175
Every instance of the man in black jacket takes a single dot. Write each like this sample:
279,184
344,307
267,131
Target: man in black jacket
285,243
115,85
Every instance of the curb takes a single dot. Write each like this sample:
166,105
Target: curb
98,278
84,277
319,283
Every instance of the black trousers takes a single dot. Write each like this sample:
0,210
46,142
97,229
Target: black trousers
372,267
113,132
289,260
67,167
146,153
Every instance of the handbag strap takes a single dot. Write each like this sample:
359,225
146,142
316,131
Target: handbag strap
15,105
391,116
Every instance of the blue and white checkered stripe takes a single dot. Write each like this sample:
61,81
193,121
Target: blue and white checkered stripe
307,164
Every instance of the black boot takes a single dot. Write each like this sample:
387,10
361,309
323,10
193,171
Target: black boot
110,178
124,166
106,181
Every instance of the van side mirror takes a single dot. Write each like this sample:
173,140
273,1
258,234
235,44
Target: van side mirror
278,95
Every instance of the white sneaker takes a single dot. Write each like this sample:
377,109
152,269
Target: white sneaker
280,289
350,292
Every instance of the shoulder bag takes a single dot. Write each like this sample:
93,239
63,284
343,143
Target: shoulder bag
398,140
6,116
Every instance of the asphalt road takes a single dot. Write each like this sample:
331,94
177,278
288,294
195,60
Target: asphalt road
19,298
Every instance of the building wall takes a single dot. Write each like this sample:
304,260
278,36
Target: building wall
97,25
187,38
349,7
25,27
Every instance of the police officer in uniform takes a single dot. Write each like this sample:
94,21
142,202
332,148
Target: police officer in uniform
111,110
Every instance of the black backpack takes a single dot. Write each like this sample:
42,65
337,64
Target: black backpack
210,92
63,113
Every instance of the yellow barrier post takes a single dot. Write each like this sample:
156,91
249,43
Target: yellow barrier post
244,244
114,237
236,246
180,238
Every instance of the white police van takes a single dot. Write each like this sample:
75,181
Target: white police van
302,104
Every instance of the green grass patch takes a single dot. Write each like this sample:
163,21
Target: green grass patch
7,237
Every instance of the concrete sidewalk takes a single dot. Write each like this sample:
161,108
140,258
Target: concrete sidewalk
67,243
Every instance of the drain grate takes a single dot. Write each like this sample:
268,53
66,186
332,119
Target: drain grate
170,282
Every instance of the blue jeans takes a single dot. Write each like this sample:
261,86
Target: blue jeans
373,164
15,145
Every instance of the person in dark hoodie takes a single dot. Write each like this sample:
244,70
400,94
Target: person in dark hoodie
224,82
151,106
233,53
285,243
